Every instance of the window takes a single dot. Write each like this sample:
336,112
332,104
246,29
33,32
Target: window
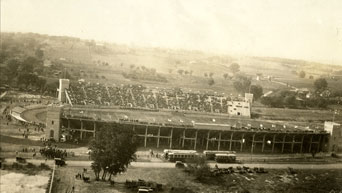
52,122
238,113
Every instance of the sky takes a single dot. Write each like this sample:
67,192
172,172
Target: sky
298,29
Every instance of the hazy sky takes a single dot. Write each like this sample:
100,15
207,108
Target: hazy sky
303,29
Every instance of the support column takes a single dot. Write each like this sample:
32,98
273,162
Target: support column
69,124
323,144
283,145
252,148
158,139
219,142
81,131
319,143
145,142
94,129
301,144
243,135
310,143
230,142
183,138
195,139
171,138
263,143
206,148
292,144
273,142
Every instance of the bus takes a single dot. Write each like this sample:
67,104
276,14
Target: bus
225,158
210,155
179,151
181,156
167,151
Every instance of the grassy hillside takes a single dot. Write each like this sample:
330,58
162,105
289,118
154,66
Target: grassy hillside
104,62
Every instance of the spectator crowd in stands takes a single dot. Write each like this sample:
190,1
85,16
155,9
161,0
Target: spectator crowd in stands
138,96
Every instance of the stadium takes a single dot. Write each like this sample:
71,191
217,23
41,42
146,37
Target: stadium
177,120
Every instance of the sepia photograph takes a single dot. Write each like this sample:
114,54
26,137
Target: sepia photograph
170,96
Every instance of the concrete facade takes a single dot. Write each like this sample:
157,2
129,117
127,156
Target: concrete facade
199,137
335,131
63,84
53,125
239,108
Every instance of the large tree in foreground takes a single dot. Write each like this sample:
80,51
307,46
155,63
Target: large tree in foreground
112,150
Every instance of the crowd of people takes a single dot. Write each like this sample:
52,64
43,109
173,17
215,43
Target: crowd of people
53,152
138,96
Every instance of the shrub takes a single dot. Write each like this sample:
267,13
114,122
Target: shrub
43,166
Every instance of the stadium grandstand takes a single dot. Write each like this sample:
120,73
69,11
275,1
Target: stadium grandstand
166,119
138,96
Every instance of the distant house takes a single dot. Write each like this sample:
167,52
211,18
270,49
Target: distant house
303,93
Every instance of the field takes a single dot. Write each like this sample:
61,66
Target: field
86,60
175,180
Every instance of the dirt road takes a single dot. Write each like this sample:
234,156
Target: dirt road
172,165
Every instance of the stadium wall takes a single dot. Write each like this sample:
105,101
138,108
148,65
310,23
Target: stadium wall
205,137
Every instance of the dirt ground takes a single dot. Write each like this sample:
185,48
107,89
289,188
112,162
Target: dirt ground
18,182
175,180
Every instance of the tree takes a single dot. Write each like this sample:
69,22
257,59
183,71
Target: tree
235,67
211,74
112,150
225,76
242,84
205,74
39,53
321,84
51,87
302,74
27,79
180,71
41,83
211,81
257,91
290,101
199,168
12,67
29,64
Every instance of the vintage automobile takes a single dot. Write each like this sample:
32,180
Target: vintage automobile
60,162
179,164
